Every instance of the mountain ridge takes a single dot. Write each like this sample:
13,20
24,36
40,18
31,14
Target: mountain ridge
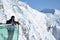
32,20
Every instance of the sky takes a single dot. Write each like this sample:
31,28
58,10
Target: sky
42,4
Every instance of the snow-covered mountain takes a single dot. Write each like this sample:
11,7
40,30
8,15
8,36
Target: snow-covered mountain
53,21
34,24
48,11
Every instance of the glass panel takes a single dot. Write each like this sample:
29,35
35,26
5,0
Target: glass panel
8,32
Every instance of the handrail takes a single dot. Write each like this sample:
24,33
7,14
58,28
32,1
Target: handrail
6,24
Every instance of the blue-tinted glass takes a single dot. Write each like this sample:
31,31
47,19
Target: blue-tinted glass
8,32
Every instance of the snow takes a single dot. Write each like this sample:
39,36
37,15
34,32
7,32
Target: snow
33,23
53,21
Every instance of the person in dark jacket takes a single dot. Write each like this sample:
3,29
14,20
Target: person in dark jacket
11,32
12,21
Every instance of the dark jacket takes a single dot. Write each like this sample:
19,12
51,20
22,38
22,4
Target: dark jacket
12,22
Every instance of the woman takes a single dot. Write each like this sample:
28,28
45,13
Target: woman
11,32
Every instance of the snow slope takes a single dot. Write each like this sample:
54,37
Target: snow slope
33,23
53,21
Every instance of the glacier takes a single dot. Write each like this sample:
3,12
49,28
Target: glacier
34,24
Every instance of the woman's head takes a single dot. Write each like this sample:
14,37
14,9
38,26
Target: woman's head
13,17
